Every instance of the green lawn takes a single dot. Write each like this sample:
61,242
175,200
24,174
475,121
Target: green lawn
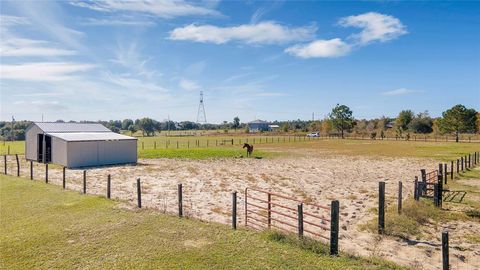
45,227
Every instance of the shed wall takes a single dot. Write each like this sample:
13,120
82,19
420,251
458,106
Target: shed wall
31,144
95,153
59,151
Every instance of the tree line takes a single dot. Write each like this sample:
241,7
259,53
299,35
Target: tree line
340,120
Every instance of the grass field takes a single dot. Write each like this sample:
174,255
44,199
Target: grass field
45,227
442,151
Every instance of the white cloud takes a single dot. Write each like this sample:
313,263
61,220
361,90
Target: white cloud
42,105
320,48
164,9
261,33
43,71
398,92
9,20
13,46
376,27
188,85
117,22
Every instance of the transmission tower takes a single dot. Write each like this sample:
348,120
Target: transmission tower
201,116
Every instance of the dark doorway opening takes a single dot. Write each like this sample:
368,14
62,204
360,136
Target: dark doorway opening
48,148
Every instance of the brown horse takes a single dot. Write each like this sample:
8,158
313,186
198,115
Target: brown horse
249,149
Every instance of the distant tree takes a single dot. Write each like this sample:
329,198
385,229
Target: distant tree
342,118
132,128
126,123
478,122
458,119
236,122
403,119
315,126
326,127
286,127
147,126
422,123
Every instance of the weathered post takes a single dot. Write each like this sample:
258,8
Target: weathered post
18,165
234,210
269,210
46,172
63,178
461,163
84,181
381,207
445,172
458,166
31,169
445,258
109,186
300,219
451,170
5,163
435,195
416,192
334,227
440,172
180,202
139,193
469,160
400,197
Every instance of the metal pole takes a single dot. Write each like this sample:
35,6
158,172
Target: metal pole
300,219
334,227
234,210
381,207
139,193
400,197
445,257
109,185
180,201
84,181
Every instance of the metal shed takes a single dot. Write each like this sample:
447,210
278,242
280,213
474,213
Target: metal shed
78,145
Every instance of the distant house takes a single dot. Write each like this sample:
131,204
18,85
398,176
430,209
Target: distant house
78,145
258,125
273,127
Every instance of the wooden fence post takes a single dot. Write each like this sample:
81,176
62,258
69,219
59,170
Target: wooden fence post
109,186
440,171
415,189
31,170
458,166
63,178
469,160
461,162
5,163
269,210
139,193
300,219
180,202
84,181
451,170
400,187
445,259
334,227
234,210
46,172
381,207
445,172
18,165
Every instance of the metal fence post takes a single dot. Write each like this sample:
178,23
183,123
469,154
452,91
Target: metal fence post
445,172
234,210
63,178
139,193
18,165
31,170
46,172
84,181
451,170
5,163
180,201
381,207
109,185
269,209
400,187
300,219
415,189
445,257
334,227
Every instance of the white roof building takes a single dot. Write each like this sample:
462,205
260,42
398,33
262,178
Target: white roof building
78,145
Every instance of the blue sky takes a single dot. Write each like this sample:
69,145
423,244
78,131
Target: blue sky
90,60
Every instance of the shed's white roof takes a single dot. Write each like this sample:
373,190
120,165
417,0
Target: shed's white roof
71,127
90,136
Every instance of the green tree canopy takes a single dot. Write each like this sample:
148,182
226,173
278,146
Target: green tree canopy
236,122
458,119
342,118
403,119
147,126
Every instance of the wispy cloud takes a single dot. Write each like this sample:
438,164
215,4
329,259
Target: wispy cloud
260,33
48,105
122,21
164,9
13,46
188,85
399,92
375,27
43,71
320,48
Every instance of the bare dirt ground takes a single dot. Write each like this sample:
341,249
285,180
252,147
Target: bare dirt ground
318,179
